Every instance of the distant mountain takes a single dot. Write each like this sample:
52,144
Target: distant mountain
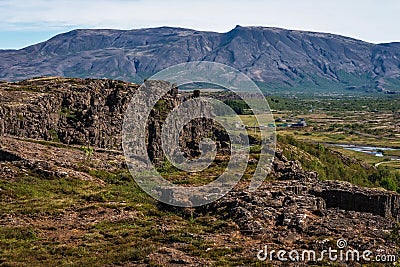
277,58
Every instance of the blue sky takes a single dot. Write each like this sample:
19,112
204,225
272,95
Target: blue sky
27,22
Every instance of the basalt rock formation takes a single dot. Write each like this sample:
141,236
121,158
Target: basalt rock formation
85,112
304,212
296,209
88,112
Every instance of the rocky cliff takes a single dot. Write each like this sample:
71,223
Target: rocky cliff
85,112
89,112
294,209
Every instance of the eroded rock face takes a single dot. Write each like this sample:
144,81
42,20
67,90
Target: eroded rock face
299,195
293,210
8,156
297,210
72,111
89,112
346,196
303,212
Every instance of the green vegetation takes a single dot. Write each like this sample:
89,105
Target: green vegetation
394,235
315,85
301,105
343,120
54,135
109,220
239,106
160,106
86,224
333,166
69,113
177,176
88,151
49,143
365,120
20,117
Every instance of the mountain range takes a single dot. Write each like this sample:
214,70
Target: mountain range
275,58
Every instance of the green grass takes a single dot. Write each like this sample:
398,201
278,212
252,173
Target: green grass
351,84
54,135
47,205
322,159
49,143
69,222
395,153
69,113
365,120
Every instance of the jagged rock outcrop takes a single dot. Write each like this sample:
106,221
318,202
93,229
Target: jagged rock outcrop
8,156
91,113
298,212
85,112
293,210
346,196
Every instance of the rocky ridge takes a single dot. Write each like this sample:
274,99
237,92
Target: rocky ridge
86,112
294,210
280,58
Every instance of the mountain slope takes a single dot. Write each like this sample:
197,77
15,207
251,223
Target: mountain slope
277,57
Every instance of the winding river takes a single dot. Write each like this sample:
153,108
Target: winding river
371,150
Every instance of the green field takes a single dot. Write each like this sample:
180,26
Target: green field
363,121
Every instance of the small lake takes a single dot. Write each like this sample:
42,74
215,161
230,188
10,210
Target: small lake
371,150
